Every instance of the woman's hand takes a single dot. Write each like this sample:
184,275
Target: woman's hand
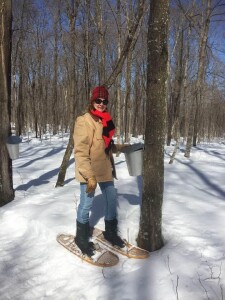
91,185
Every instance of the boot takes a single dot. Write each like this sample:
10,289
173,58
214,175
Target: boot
110,233
82,239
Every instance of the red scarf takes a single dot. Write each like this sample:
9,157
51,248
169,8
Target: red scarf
108,127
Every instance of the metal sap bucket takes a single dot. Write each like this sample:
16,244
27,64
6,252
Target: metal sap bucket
134,159
13,146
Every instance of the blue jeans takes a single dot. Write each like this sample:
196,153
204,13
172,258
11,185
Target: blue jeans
86,200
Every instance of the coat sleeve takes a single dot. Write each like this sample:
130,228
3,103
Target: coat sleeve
82,143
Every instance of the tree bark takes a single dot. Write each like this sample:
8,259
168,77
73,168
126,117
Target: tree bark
150,233
179,76
101,42
6,181
87,52
55,121
197,99
72,14
185,84
119,78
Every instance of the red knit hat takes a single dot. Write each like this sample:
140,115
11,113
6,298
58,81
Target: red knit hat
99,92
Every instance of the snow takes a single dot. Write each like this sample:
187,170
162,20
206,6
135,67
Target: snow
189,266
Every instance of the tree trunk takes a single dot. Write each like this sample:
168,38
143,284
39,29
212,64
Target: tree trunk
20,105
127,97
127,108
150,233
177,96
193,127
64,165
72,86
118,85
87,51
6,182
55,104
185,84
101,42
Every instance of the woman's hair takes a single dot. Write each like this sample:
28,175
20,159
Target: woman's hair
89,107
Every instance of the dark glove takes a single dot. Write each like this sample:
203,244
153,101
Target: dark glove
91,185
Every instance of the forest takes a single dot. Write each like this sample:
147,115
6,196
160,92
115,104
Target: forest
61,49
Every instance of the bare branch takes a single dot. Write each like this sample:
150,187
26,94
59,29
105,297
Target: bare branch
206,292
128,43
221,20
217,5
220,14
177,287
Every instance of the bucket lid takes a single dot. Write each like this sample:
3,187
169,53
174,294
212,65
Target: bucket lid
133,148
14,139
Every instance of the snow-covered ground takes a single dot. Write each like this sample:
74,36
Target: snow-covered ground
191,265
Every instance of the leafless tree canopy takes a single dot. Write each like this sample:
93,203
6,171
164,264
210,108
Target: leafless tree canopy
61,49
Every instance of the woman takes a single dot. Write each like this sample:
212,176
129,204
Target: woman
93,147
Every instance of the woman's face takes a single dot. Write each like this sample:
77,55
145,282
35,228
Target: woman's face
99,104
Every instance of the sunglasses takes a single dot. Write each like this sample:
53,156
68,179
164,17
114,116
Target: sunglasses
100,101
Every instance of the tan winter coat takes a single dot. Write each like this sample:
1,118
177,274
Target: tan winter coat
89,149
